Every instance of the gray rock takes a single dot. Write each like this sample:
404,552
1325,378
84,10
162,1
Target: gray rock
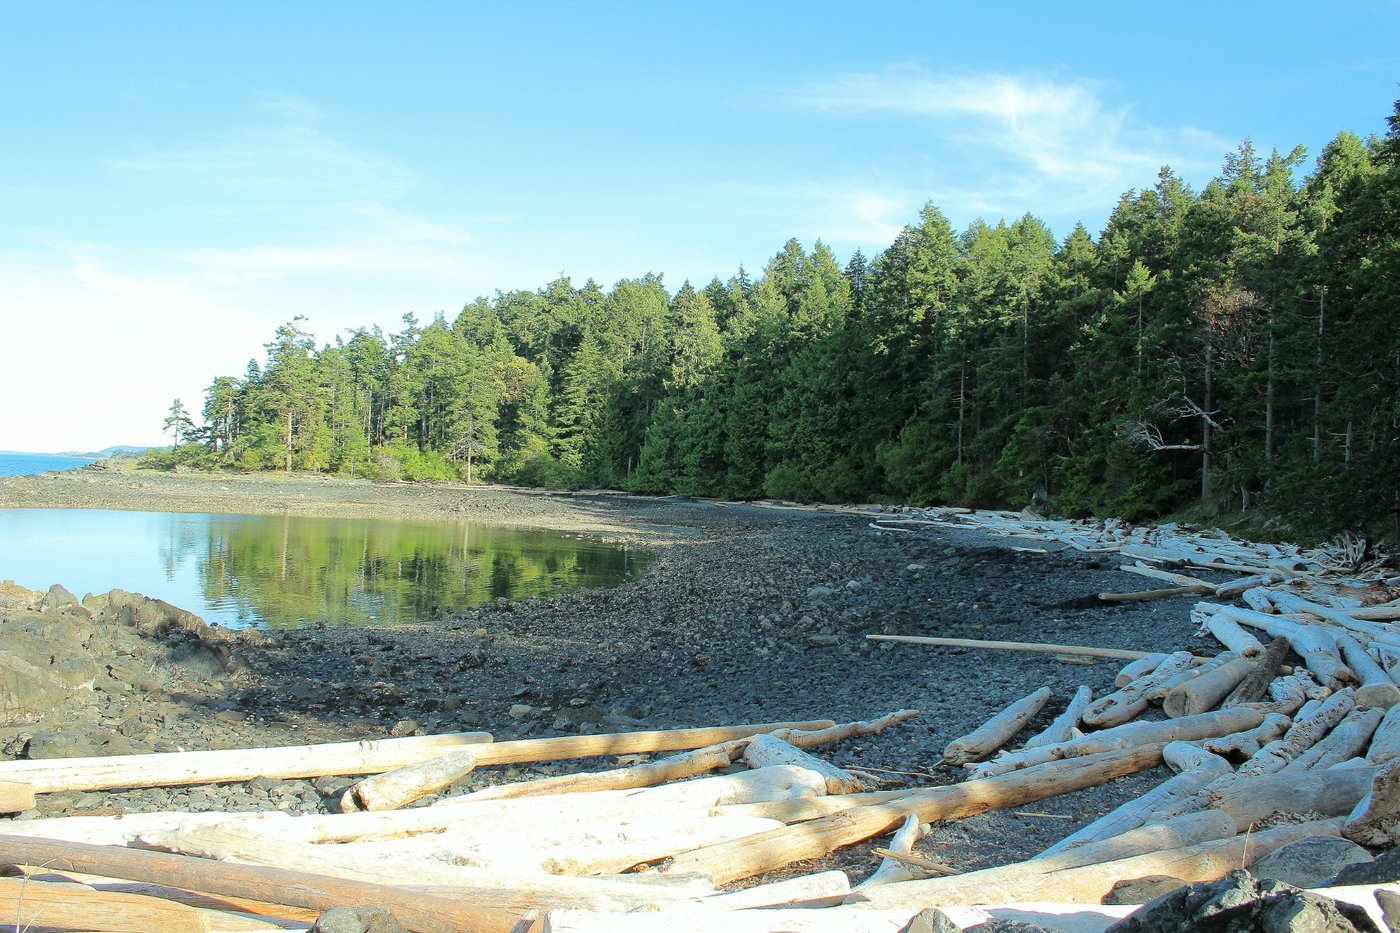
1239,904
1383,869
60,745
1142,890
1309,862
931,920
357,920
1008,926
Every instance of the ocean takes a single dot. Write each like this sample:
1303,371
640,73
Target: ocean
16,464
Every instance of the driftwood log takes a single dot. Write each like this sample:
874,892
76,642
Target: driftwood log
1377,688
1206,691
892,869
16,796
1036,647
1250,800
1302,735
983,741
1134,669
28,904
746,857
765,751
394,789
1385,743
1255,684
1065,726
1127,702
1348,738
1375,821
1088,884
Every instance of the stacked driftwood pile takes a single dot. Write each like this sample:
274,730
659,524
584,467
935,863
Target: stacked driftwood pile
1291,731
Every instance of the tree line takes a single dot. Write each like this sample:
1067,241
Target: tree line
1233,349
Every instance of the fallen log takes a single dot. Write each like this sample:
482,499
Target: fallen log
1037,647
812,738
30,904
420,912
1385,743
756,854
168,769
1377,688
1375,821
1348,738
1196,769
1176,579
1205,692
1185,729
394,789
1230,634
1127,702
1293,603
1065,726
1250,800
1088,884
1193,589
1236,588
1302,735
1138,668
823,889
1159,693
1316,649
1247,743
996,731
16,797
765,751
1255,684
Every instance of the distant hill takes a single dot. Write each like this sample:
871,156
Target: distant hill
107,451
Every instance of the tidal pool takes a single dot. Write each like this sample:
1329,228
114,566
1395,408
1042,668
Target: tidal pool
284,571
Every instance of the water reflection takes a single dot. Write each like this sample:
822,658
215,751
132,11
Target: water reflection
283,571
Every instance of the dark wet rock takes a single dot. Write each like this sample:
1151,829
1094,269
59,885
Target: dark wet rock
1008,926
1142,890
1383,869
1309,862
357,920
1238,903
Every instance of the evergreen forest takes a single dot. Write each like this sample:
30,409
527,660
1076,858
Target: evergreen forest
1232,350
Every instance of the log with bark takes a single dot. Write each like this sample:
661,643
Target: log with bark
1255,684
1088,884
746,857
983,741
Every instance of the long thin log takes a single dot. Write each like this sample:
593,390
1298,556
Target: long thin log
1124,704
394,789
16,796
756,854
166,769
823,889
812,738
1293,603
765,751
1088,884
1176,579
1065,725
1037,647
1194,589
1252,799
1235,588
27,904
996,731
368,757
1185,729
420,912
1197,769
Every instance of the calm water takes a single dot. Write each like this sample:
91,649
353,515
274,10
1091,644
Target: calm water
275,571
12,464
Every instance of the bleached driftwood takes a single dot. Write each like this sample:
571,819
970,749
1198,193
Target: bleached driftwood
1230,634
1293,603
28,904
746,857
1375,821
16,796
1138,668
1246,744
1385,743
997,731
165,769
394,789
1235,588
1195,768
823,889
1205,692
1034,647
1193,589
1251,799
765,751
1088,884
1064,728
1176,579
1185,729
522,751
415,909
1120,706
1348,738
1316,649
891,869
1377,688
1159,693
1302,735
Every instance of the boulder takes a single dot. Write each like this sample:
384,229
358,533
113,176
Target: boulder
1142,890
1308,863
1238,903
357,920
1383,869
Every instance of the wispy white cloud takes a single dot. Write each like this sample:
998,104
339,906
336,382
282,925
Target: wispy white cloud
1015,143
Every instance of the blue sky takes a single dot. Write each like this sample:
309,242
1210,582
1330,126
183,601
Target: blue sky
176,179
